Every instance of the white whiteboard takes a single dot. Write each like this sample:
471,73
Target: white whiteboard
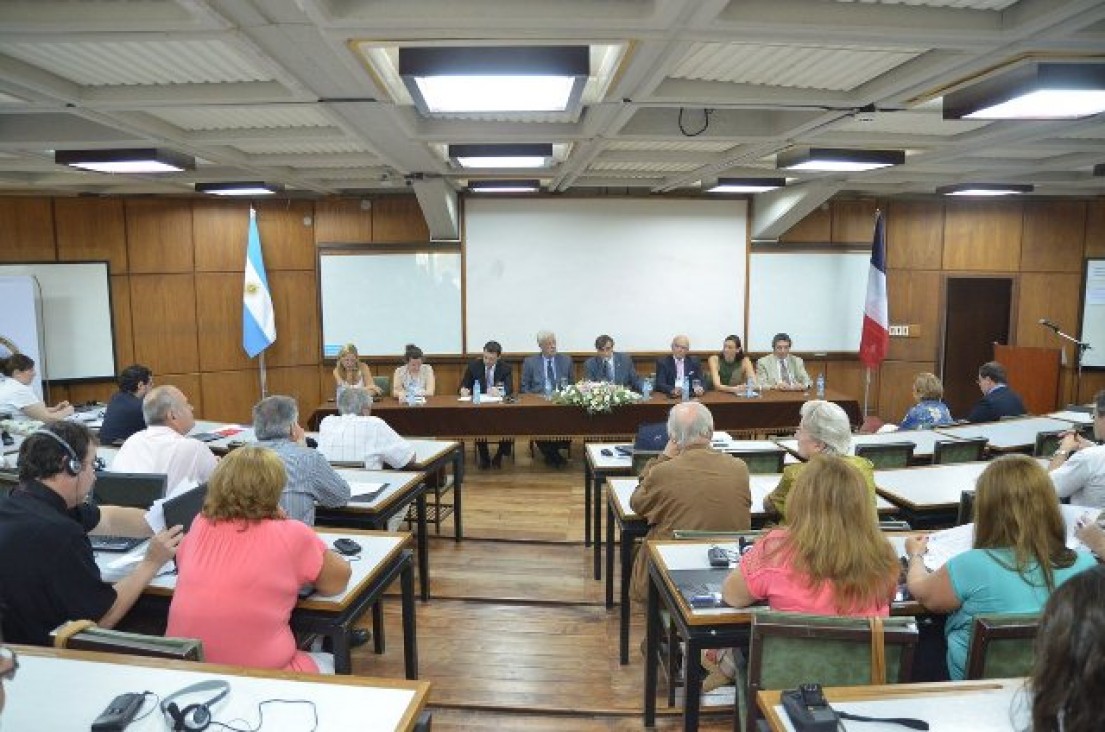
642,270
816,298
381,302
76,315
1093,313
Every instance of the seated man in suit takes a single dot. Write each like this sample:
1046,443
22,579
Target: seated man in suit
606,365
678,368
311,480
1078,467
998,400
689,486
353,435
123,416
491,373
782,370
546,370
48,574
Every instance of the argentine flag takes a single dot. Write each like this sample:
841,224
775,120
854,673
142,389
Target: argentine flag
258,322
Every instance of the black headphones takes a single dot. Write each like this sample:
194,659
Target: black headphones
73,464
194,717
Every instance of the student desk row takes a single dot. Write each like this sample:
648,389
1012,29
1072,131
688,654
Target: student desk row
384,557
86,682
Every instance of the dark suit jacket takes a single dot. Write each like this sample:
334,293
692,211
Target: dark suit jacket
1000,402
122,418
665,372
594,369
476,370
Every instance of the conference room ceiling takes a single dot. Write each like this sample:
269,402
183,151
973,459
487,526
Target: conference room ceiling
303,93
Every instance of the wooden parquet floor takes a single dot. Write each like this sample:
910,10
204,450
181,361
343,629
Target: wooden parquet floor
516,635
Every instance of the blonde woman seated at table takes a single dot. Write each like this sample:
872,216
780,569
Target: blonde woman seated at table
731,369
241,565
19,399
413,374
349,371
823,430
1019,555
930,410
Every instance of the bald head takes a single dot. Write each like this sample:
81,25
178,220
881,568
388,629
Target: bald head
167,406
690,423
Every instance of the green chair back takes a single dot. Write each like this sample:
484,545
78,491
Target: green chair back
762,461
888,455
959,451
383,383
788,649
1046,443
1002,646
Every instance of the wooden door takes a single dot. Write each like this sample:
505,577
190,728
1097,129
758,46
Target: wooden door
976,317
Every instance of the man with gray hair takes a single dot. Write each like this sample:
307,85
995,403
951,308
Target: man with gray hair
689,486
356,436
163,446
311,480
824,429
543,372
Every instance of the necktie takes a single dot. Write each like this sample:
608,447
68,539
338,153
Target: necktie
784,371
490,375
610,370
549,375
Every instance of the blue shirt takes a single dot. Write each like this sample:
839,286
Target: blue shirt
926,415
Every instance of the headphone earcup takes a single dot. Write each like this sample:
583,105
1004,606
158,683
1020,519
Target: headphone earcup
195,718
73,467
174,713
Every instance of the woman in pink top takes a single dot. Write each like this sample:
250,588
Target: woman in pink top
241,566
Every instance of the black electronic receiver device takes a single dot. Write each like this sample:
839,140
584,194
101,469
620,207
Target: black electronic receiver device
348,547
118,713
718,557
808,710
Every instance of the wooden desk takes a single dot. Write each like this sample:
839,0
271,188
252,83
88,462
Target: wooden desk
924,442
87,682
384,557
533,417
979,706
1008,435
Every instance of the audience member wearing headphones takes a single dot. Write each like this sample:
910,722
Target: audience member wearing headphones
242,564
19,399
48,574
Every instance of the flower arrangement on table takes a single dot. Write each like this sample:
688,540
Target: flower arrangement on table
595,396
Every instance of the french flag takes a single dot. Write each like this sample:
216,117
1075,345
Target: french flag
876,322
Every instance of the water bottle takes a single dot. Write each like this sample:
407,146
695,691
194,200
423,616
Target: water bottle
646,388
548,390
476,391
821,386
412,395
749,388
686,389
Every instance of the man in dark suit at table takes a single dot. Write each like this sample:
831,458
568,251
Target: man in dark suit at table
544,371
123,416
490,371
673,371
998,400
606,365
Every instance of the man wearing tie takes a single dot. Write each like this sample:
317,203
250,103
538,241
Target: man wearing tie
675,370
782,370
490,372
551,368
606,365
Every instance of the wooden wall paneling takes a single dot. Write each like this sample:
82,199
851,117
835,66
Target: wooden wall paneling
220,228
1054,236
1092,383
92,392
1095,228
27,230
848,377
189,384
1053,296
122,321
287,242
447,375
398,218
853,221
913,298
92,229
983,236
327,389
298,382
159,235
165,329
816,227
298,327
915,234
229,396
343,220
896,387
219,322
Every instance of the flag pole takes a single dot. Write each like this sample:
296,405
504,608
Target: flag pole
264,375
866,389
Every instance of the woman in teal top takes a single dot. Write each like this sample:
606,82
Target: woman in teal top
731,369
1019,555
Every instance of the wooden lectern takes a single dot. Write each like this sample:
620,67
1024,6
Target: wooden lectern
1033,373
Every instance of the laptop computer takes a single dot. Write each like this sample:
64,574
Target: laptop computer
134,490
182,510
652,437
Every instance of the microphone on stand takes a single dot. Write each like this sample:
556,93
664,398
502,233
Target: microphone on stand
1048,324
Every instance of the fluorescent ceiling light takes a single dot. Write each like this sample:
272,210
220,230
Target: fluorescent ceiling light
984,189
1036,90
504,186
526,155
239,188
132,160
837,160
746,185
457,80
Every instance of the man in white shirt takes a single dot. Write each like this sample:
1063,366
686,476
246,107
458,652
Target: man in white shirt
1078,467
162,447
356,436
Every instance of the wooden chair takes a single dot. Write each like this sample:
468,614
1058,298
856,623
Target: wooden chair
1002,646
762,461
959,451
887,455
788,649
966,508
84,635
1046,443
